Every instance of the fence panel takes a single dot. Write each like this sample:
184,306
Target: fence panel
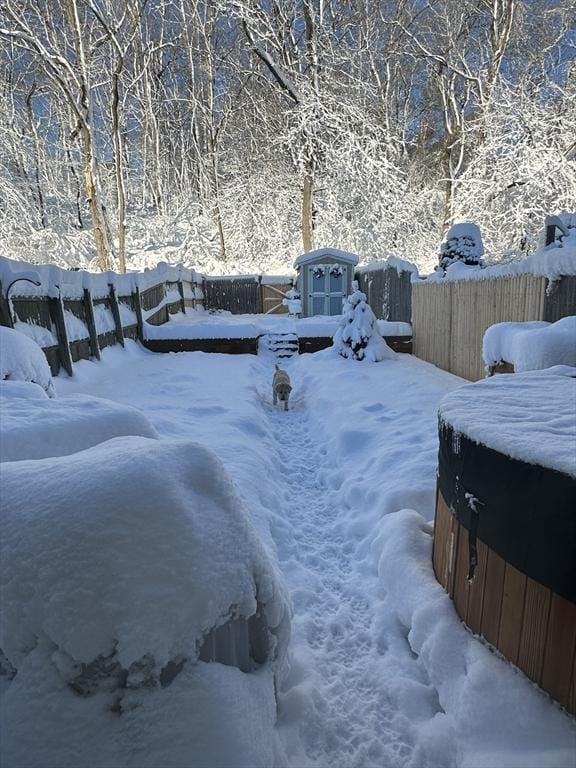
389,292
238,295
560,299
431,327
450,319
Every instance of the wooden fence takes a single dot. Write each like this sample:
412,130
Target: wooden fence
449,319
239,295
82,322
388,290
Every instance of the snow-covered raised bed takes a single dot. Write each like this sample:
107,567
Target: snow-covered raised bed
39,428
531,346
121,566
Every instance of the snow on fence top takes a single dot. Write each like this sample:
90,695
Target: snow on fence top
527,416
53,281
392,262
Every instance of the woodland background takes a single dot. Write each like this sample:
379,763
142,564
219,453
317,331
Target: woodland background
234,134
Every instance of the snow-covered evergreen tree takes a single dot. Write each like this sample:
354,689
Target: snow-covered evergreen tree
463,243
358,336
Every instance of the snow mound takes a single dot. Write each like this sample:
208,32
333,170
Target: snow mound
527,416
21,359
531,346
20,389
125,555
39,429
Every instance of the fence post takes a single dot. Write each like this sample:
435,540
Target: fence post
57,311
116,314
5,313
181,292
138,309
89,309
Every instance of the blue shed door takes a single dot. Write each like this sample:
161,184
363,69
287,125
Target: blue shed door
327,288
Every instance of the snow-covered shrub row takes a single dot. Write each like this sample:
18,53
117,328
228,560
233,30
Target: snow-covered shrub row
116,564
358,336
21,359
532,345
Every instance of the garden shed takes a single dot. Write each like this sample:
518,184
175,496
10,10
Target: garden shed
324,280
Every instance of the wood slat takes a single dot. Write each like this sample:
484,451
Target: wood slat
461,584
493,597
560,648
442,520
476,593
510,629
534,624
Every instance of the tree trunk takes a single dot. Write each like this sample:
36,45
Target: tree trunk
307,198
94,205
120,188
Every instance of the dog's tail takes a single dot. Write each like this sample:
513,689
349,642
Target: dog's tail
277,366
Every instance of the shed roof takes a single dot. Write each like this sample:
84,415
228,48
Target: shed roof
319,253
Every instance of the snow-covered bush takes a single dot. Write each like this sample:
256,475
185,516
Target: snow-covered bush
116,564
358,336
463,243
21,359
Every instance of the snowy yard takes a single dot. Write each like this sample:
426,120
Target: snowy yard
380,671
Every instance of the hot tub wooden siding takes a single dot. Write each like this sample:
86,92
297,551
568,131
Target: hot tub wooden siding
530,625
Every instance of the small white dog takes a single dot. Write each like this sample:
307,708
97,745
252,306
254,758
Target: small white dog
281,387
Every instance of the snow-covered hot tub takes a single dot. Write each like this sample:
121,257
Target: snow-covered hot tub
505,528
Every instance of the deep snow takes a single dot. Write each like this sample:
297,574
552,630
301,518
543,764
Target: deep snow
341,489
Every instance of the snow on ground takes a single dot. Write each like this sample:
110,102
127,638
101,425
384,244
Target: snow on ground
341,488
43,428
198,324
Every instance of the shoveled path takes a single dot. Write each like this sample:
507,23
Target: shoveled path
354,723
